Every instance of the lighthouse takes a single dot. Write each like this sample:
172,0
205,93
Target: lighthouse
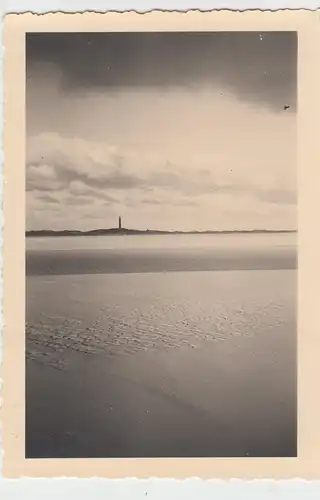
119,222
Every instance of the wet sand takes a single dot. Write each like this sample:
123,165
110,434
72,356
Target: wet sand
229,398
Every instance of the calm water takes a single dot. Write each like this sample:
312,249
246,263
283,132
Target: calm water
131,354
122,254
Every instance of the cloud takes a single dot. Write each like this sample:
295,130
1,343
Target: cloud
47,198
55,162
257,67
181,160
42,177
90,170
78,187
78,200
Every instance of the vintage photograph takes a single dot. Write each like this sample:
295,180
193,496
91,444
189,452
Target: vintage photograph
161,244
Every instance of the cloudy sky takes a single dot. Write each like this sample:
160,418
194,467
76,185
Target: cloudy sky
170,130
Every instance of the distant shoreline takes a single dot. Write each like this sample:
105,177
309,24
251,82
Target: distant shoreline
121,232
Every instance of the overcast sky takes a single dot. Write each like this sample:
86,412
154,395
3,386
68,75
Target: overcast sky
171,131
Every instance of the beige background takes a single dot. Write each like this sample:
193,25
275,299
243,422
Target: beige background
307,465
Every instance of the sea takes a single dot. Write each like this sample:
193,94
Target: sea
161,345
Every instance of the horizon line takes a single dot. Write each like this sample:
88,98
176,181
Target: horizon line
173,231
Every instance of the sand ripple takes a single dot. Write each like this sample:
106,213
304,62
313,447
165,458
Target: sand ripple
127,314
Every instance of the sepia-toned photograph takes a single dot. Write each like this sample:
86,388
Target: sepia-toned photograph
161,244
